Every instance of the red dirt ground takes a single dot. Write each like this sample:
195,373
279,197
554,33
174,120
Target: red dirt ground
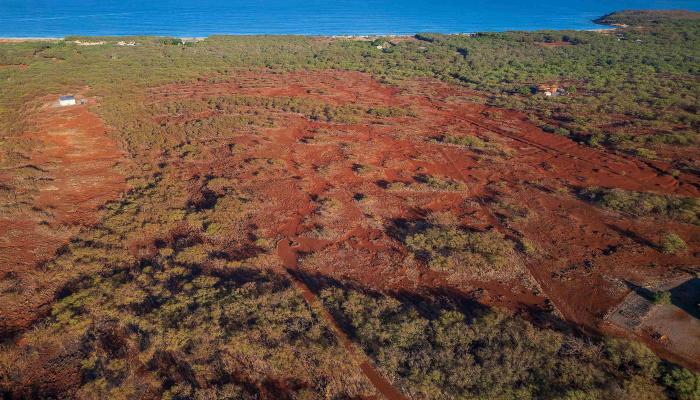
18,66
583,255
72,162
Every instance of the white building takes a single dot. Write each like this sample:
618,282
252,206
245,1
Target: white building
66,101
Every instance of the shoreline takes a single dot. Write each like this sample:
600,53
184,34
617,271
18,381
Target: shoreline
602,27
29,39
11,39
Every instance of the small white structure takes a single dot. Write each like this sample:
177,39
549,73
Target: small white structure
65,101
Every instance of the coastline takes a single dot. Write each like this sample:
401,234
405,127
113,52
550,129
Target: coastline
601,27
384,19
371,36
30,39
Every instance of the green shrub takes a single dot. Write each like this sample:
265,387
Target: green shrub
469,141
632,358
673,244
194,255
425,182
684,384
645,153
436,183
476,144
450,249
390,112
596,139
528,247
684,209
662,298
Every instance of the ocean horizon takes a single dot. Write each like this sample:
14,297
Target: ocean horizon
53,18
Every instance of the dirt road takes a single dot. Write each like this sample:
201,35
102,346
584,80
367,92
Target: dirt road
287,251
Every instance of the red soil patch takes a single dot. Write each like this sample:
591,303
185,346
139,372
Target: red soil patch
396,148
72,162
328,187
18,66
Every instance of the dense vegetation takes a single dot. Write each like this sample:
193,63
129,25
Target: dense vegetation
639,17
459,351
684,209
174,331
454,250
171,295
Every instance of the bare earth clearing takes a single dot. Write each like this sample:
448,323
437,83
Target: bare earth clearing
67,177
343,193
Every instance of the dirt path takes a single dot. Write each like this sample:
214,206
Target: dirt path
67,177
292,245
634,172
287,251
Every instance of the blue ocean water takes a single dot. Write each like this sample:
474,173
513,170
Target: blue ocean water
57,18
